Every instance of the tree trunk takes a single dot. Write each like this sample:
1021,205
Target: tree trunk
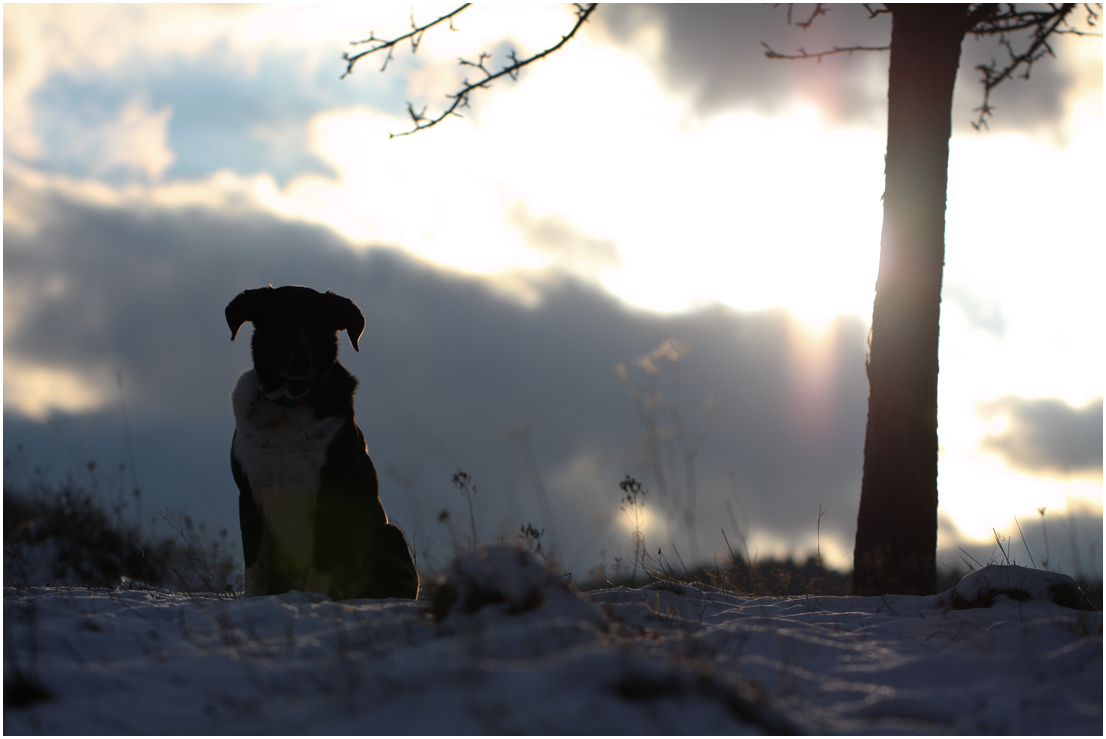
896,534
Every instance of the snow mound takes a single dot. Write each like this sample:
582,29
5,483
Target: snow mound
297,597
495,583
996,584
507,647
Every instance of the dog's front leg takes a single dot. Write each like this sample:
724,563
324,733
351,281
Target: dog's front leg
252,521
256,577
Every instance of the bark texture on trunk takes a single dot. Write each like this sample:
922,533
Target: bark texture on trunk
896,536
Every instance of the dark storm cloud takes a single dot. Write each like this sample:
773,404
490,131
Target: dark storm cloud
1047,436
447,368
715,52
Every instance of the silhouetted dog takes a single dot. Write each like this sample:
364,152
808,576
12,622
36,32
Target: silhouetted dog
309,500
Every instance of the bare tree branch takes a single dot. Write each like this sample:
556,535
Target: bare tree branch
1044,23
819,9
804,54
873,12
985,19
415,35
460,99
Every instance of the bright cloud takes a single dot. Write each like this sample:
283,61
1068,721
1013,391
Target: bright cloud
695,215
38,391
135,142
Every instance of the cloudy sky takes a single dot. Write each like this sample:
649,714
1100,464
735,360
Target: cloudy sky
655,208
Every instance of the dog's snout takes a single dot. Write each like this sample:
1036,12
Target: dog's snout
300,358
299,364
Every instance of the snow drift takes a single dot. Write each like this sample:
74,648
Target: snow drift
505,646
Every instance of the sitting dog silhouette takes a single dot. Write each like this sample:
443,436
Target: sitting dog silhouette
309,500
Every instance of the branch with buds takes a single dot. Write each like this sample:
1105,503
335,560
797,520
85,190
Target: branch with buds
1044,23
981,20
415,35
460,99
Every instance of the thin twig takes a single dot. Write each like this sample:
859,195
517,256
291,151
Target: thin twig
1044,24
983,20
1025,543
998,540
973,559
415,35
520,432
804,54
461,98
819,9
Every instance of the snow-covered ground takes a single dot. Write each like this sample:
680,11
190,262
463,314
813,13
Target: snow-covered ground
506,647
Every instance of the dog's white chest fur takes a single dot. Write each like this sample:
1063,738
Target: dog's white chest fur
282,451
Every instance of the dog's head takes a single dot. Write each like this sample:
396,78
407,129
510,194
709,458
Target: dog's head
295,334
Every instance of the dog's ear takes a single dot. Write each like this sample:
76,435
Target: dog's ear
347,317
246,307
